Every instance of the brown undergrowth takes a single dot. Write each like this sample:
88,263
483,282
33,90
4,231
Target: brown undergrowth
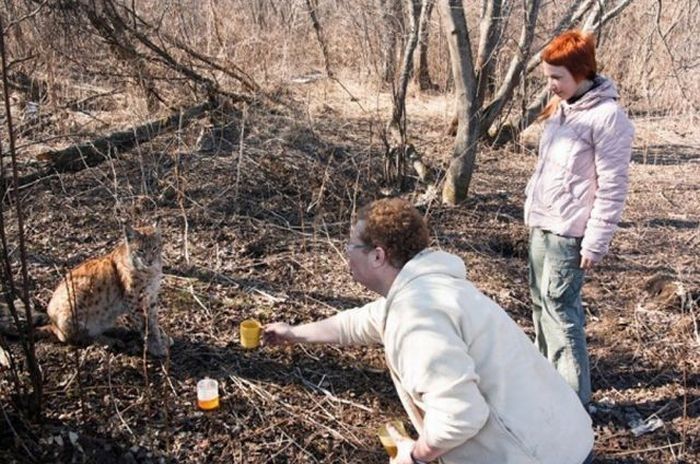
254,222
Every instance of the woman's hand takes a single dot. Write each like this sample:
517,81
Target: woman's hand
404,446
278,333
587,263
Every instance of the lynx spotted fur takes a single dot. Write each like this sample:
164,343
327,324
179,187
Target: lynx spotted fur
93,295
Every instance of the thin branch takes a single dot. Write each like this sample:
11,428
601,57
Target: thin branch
229,69
515,70
29,15
18,439
609,15
572,16
29,346
670,54
406,65
319,34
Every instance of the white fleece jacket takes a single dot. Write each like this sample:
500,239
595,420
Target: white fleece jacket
469,378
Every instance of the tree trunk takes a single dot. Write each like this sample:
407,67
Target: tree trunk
459,173
489,38
312,6
406,65
515,70
391,19
421,74
395,157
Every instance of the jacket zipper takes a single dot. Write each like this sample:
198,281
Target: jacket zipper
545,154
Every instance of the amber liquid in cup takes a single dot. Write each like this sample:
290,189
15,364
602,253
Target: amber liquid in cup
387,442
250,333
207,405
207,394
389,446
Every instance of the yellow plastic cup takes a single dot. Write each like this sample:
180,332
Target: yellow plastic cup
250,333
387,442
207,394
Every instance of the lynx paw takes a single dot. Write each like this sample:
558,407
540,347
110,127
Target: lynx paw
160,346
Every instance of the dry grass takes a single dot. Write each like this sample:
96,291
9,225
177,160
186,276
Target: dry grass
269,248
254,218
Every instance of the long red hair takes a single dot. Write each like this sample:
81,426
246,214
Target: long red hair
574,50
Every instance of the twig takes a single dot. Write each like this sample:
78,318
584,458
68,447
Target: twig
18,439
646,450
181,195
198,301
352,97
31,14
111,394
240,153
28,342
686,97
329,395
271,298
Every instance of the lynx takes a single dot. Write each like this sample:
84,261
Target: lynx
93,295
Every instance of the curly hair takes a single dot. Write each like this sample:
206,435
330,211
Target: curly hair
395,225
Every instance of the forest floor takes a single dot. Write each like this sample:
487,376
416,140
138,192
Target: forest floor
255,215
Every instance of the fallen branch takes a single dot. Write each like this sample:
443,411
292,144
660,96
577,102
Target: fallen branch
87,154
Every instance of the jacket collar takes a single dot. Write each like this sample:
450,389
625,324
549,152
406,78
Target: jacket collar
425,263
603,89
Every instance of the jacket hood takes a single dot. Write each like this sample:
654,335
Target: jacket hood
428,262
603,89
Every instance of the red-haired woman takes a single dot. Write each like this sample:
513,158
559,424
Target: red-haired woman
574,199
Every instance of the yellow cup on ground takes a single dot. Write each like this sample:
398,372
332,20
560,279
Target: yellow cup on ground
388,442
250,333
207,394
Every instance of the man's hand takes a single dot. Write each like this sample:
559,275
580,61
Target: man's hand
278,333
404,445
324,331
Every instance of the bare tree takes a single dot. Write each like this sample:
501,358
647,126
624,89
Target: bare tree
396,148
312,6
475,114
421,75
468,112
593,17
391,26
112,26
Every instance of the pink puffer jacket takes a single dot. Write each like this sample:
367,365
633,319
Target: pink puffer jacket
580,183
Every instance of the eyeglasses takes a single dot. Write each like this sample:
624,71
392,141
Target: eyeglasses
353,246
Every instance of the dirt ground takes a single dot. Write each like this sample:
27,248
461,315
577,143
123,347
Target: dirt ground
254,218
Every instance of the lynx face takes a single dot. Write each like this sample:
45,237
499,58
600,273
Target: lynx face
144,247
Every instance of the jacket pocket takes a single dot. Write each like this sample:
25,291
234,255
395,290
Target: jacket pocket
514,439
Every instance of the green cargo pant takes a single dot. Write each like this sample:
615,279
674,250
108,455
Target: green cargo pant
556,279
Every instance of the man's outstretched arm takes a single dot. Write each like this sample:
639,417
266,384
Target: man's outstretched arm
324,331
